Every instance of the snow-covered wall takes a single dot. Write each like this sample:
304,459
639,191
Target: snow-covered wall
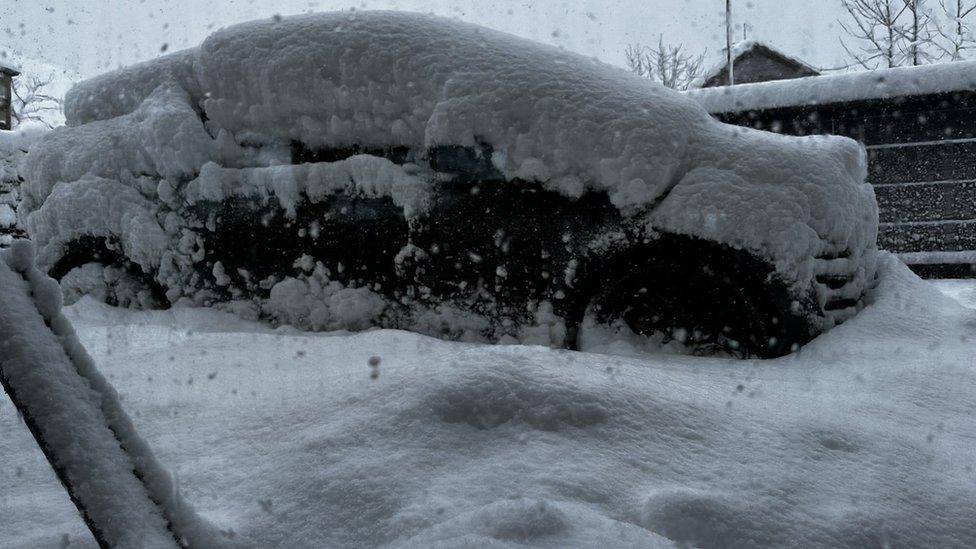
836,88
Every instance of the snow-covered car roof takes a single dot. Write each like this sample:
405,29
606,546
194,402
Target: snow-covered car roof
837,88
401,79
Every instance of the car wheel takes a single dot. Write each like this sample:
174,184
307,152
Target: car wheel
704,297
96,268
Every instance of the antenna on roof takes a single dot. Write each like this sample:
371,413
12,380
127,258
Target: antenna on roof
728,40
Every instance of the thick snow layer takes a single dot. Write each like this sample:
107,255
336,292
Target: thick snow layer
863,438
162,137
923,258
359,175
380,79
835,88
97,206
8,217
79,416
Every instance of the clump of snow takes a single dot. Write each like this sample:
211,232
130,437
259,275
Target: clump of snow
359,175
8,217
163,137
106,283
862,438
317,303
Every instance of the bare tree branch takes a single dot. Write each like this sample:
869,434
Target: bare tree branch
667,64
955,33
31,102
878,26
916,35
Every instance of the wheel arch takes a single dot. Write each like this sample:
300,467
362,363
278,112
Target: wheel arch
105,251
688,272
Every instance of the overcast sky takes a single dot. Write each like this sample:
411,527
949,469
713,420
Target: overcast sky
91,36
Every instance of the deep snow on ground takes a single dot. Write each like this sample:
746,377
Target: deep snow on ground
866,437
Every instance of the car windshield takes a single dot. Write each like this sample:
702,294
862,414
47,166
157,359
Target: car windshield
487,274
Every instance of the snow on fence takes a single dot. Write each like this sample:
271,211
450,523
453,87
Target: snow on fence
839,88
919,127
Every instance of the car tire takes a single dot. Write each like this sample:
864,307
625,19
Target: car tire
709,297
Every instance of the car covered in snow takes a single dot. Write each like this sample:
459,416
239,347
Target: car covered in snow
349,170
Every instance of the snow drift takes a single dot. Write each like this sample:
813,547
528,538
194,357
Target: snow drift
863,438
229,110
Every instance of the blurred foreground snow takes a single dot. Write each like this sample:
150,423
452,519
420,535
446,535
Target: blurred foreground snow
864,438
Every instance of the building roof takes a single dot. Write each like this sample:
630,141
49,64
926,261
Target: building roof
743,48
9,69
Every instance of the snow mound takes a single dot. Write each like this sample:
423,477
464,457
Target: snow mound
863,438
218,120
162,137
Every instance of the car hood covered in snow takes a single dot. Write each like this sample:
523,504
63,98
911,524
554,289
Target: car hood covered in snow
397,79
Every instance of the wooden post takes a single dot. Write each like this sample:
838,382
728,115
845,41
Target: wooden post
6,97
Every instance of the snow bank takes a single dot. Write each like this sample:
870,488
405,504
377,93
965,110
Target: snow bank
836,88
387,438
215,120
123,490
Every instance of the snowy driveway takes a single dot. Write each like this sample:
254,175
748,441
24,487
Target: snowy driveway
867,437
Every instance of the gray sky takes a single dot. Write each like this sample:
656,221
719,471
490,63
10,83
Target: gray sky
91,36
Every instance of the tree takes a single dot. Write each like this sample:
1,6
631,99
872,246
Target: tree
916,34
955,32
32,101
876,24
667,64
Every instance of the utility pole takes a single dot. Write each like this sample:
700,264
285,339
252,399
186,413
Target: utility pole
728,41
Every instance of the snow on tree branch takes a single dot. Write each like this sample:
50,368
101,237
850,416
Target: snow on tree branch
954,31
31,100
668,64
875,24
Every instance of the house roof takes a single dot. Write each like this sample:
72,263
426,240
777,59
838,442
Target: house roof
741,49
8,69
